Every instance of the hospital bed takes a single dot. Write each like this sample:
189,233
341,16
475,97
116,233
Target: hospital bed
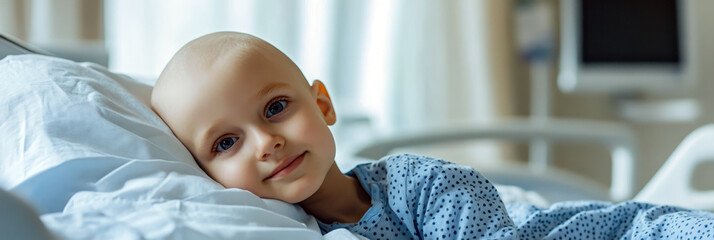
83,157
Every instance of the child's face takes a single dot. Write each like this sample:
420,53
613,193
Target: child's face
253,122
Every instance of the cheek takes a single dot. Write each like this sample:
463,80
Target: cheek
241,176
313,130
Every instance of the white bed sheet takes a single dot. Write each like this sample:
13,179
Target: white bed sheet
164,200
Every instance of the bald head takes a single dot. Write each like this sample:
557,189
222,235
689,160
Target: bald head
205,53
202,53
196,61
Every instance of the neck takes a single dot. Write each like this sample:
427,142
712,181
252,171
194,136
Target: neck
340,198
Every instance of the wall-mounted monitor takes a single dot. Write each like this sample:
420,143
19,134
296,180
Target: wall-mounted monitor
613,46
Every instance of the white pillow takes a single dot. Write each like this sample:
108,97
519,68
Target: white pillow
53,110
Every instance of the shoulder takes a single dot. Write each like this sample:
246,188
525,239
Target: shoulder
392,162
423,175
413,161
415,171
410,166
404,162
419,166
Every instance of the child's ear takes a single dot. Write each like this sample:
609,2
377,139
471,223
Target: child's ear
323,102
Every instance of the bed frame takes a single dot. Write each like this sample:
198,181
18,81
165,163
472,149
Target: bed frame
12,46
672,182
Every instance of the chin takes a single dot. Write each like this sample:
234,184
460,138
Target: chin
301,192
296,198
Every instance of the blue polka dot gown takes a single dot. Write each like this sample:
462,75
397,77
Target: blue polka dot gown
416,197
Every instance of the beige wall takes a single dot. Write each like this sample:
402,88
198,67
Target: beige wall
502,63
71,29
12,19
41,21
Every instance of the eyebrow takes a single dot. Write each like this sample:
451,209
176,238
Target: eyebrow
208,134
270,88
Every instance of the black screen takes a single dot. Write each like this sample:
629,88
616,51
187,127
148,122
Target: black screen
629,31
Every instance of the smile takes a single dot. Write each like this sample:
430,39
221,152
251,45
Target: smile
286,166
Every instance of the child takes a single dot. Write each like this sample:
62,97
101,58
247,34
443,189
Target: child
250,119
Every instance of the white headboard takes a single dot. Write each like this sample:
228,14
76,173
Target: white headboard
12,46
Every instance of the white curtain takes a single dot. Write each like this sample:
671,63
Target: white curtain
391,66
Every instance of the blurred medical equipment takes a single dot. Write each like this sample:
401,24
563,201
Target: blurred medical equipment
535,34
615,46
631,48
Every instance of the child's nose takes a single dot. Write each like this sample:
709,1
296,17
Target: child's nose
268,144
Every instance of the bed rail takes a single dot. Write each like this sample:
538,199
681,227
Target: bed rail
618,138
672,184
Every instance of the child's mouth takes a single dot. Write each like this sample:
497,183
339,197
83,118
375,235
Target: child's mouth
287,166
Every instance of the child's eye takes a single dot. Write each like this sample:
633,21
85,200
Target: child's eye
275,108
226,143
